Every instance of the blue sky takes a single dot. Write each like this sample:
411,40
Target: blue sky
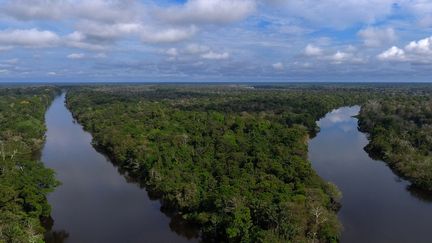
216,40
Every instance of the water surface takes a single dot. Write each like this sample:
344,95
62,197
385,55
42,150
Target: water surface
377,205
95,203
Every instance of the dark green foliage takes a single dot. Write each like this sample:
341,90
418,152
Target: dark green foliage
232,160
24,181
400,128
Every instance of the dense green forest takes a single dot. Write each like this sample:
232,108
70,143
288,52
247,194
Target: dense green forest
24,181
232,159
400,128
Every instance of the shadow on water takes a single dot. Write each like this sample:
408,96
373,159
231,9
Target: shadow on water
57,236
177,224
419,193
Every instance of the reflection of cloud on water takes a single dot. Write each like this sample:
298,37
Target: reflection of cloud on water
346,128
337,116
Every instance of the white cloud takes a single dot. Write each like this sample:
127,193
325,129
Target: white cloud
215,55
29,38
423,46
415,52
340,57
375,37
77,39
312,50
107,11
35,9
103,32
278,66
168,35
209,11
51,73
76,56
392,54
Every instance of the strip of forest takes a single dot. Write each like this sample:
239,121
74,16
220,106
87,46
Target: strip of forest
24,181
400,133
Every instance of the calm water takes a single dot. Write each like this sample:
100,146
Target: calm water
95,203
377,205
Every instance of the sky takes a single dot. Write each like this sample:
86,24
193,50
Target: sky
216,40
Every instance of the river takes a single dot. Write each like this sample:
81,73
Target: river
95,202
377,205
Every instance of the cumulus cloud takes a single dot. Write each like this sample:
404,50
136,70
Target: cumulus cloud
78,40
375,37
312,50
168,35
98,10
419,51
272,29
107,11
339,57
349,55
35,9
422,47
29,38
108,32
108,20
191,52
392,54
209,11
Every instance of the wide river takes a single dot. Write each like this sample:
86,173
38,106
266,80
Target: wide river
377,205
96,203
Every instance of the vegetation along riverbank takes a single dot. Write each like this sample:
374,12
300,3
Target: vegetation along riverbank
24,181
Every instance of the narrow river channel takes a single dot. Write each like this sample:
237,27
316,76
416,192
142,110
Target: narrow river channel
96,203
377,205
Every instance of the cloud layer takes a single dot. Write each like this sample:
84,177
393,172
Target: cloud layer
242,40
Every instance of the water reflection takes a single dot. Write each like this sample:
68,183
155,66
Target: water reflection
95,203
377,205
53,236
419,193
